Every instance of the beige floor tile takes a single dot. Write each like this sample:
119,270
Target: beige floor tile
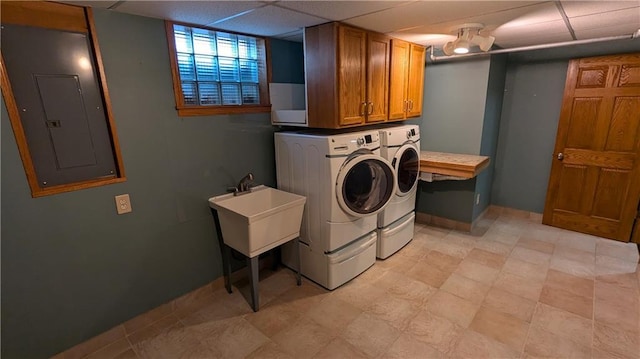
541,233
626,280
436,331
273,317
625,251
486,258
120,348
505,302
434,232
606,265
403,287
240,338
531,271
508,239
476,271
304,338
397,264
370,335
276,283
333,313
568,301
169,342
270,350
517,285
530,255
502,327
459,311
488,244
578,269
616,341
577,240
358,294
474,345
574,254
563,323
576,285
465,288
618,306
428,274
408,346
339,348
442,261
527,241
541,343
451,249
397,312
304,297
167,323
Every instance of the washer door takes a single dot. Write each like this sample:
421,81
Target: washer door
406,163
365,185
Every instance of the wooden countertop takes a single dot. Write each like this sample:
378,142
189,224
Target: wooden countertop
452,164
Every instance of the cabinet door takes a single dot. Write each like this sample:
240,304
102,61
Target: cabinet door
352,75
398,79
378,51
416,80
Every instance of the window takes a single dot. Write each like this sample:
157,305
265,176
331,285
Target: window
54,87
217,72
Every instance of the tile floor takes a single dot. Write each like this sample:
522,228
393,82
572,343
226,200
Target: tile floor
515,289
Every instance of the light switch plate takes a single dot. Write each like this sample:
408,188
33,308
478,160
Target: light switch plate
123,204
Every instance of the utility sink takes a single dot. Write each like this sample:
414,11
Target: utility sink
255,222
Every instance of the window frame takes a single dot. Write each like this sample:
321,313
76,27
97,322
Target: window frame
62,17
264,74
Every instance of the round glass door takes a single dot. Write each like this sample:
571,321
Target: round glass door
407,165
365,185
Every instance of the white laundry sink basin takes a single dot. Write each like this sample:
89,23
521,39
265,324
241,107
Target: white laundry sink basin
258,221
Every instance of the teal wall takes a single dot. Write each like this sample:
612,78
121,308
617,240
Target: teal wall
490,128
71,267
287,61
532,101
457,108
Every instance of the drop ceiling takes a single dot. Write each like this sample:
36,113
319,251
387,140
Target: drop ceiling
513,23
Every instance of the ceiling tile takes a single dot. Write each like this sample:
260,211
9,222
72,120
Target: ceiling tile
339,10
195,12
430,12
581,8
616,30
511,42
630,17
522,16
269,21
514,36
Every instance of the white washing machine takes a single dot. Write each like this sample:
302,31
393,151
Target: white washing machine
400,145
347,183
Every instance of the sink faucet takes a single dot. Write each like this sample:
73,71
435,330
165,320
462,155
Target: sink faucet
244,184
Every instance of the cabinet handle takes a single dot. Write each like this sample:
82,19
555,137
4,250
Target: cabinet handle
370,108
405,106
410,105
363,108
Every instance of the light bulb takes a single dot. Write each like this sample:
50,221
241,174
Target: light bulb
461,47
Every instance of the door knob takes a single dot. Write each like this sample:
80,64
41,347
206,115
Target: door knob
560,156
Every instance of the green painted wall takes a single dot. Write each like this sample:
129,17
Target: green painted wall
71,267
287,61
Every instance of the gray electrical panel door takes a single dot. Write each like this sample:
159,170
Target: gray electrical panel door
55,84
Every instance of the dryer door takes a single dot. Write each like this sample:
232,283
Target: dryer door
406,163
365,185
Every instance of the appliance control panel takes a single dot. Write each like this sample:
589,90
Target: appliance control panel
352,142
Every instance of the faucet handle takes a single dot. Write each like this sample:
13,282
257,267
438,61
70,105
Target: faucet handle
232,189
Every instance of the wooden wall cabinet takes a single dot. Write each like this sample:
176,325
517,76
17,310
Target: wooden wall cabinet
407,80
347,76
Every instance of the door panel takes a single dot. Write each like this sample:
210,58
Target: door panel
594,185
398,79
378,77
416,80
352,75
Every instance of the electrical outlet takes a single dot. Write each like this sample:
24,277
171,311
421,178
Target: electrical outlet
477,198
123,204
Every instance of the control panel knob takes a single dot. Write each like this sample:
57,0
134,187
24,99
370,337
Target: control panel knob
360,141
409,134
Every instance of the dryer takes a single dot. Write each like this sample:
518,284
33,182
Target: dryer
347,183
400,145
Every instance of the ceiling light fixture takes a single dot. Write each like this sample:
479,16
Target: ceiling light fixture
468,34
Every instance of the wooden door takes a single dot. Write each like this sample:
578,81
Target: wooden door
416,80
378,57
594,185
352,75
398,79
